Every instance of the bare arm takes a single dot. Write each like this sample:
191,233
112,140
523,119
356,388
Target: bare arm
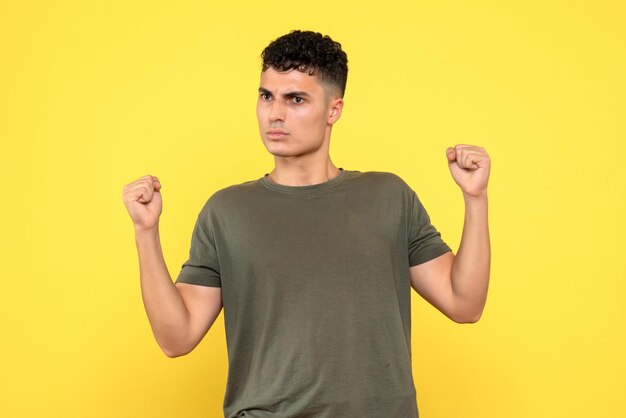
457,285
179,314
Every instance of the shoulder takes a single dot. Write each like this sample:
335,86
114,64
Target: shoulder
385,180
230,196
235,190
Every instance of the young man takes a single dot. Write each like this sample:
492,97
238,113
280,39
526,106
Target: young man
313,264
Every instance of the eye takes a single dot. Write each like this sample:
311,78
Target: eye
298,99
266,96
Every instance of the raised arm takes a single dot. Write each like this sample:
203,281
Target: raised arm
179,314
457,285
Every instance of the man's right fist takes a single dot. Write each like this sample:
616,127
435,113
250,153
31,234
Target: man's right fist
143,201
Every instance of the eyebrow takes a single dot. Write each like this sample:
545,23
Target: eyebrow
288,94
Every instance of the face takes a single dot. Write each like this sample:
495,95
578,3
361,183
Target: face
295,113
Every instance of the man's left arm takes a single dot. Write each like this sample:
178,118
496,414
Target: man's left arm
457,285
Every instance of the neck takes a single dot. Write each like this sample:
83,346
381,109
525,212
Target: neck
305,170
303,173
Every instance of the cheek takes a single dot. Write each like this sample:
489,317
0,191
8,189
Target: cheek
312,117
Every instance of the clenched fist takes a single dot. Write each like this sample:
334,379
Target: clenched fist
143,201
469,166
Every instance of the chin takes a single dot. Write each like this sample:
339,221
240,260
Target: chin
279,149
284,149
281,152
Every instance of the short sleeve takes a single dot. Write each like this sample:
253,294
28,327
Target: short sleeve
425,241
202,266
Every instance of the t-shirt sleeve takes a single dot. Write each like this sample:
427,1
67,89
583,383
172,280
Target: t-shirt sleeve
202,266
425,242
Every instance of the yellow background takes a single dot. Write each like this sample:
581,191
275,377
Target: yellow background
96,94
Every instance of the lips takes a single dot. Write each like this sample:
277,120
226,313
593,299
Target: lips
276,133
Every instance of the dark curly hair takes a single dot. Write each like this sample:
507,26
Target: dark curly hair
309,51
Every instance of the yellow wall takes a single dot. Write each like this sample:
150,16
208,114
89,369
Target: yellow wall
96,94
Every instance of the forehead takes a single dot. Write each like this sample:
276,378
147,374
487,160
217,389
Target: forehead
291,80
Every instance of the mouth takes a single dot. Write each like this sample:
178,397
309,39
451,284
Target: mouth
276,134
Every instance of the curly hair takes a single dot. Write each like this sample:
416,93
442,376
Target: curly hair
309,51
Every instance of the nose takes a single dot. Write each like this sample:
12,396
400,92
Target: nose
278,111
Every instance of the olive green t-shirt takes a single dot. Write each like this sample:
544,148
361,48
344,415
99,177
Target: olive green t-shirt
316,293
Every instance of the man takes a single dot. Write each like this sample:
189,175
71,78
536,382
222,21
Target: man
313,264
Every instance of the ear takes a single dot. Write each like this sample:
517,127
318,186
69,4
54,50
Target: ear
334,110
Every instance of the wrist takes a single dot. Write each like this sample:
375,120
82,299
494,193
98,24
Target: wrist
146,232
480,198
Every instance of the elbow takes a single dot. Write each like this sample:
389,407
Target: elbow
467,317
172,351
468,320
172,354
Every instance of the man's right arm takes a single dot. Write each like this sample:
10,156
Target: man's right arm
180,314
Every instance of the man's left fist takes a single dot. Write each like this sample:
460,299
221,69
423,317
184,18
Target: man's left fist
469,166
